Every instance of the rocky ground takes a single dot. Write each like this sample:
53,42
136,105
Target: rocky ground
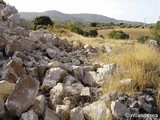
46,78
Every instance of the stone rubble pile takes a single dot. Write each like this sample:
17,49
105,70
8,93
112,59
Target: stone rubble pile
44,77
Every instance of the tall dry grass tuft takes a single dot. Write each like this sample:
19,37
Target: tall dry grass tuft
141,63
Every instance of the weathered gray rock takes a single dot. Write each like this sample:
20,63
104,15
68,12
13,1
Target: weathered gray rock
50,115
87,69
77,114
109,97
12,71
14,20
55,41
23,44
96,111
105,72
76,62
68,80
30,115
23,95
63,111
9,10
2,109
51,52
119,110
52,77
78,72
33,36
85,92
90,78
39,105
153,43
78,87
57,91
48,36
21,55
23,23
107,48
20,31
147,106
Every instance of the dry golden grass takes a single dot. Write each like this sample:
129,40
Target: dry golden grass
134,33
141,63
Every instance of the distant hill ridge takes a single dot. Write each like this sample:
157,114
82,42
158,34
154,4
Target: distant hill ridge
84,17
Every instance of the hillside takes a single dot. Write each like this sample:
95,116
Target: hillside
85,17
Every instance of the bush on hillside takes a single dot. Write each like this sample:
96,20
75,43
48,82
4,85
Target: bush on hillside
94,24
143,39
93,33
156,30
41,22
118,35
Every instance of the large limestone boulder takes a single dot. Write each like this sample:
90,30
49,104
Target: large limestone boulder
23,95
23,44
52,77
12,71
96,111
30,115
50,115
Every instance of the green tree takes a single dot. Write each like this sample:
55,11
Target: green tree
41,22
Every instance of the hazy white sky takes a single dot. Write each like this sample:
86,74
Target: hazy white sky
134,10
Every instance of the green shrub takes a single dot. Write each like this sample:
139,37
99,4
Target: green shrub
118,35
94,24
41,22
85,33
143,39
156,31
93,33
